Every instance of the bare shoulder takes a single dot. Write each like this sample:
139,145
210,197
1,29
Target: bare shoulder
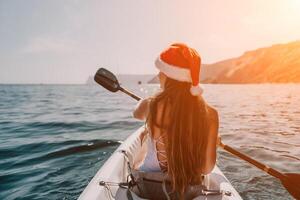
212,112
145,102
213,117
142,108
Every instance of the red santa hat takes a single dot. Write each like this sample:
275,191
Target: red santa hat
181,63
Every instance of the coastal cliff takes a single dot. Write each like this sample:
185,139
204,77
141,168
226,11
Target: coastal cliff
276,64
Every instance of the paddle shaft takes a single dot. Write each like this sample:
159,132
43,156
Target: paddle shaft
130,94
259,165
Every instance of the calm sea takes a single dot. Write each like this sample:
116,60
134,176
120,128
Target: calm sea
54,138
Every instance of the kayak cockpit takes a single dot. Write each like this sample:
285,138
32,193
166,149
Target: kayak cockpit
113,179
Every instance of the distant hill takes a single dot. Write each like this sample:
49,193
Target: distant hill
134,78
127,79
276,64
154,80
90,81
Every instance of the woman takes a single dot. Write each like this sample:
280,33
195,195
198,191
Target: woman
182,127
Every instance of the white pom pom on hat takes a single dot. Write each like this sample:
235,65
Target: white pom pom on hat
196,90
181,63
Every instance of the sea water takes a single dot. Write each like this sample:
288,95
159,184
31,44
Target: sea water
54,138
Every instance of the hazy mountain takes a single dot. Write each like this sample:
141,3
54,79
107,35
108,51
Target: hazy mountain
127,79
154,80
276,64
90,81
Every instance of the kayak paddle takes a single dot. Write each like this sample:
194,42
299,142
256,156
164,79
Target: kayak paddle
110,82
291,181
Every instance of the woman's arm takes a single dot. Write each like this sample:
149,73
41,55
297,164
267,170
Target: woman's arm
141,112
140,156
142,109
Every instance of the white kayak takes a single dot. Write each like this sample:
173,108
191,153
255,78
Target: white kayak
115,170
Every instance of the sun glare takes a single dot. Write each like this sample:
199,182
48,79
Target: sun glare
294,4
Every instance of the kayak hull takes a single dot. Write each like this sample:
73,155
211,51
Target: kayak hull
115,170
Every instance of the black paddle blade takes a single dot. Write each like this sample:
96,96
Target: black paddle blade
292,184
107,79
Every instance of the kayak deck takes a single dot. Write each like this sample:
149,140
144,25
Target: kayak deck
115,170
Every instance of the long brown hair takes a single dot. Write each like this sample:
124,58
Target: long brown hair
184,122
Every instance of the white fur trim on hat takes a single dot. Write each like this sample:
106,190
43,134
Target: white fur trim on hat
173,72
196,90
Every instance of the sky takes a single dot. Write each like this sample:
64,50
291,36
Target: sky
65,41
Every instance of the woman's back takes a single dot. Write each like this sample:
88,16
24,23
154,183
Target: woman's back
159,130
